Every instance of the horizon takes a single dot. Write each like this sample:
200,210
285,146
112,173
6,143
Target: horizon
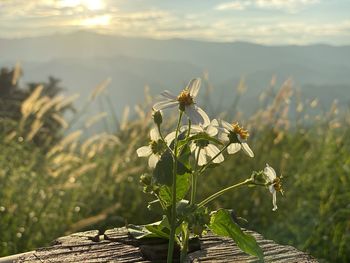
84,31
265,22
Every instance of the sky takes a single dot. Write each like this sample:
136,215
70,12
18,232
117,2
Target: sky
272,22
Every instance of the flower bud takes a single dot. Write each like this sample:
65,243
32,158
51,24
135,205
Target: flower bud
157,117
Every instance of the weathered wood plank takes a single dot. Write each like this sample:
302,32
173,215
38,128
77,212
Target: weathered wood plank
217,249
115,245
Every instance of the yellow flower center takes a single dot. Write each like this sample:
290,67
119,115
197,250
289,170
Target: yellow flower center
277,184
185,99
240,131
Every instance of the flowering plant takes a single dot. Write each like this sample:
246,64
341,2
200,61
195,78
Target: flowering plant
179,159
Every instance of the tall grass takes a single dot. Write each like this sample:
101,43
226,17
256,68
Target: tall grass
86,182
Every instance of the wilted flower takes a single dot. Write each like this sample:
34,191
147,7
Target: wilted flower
205,148
275,184
155,148
237,136
186,102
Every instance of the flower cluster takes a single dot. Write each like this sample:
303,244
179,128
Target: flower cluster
201,124
182,156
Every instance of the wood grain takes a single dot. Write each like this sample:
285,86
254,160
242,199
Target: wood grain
115,245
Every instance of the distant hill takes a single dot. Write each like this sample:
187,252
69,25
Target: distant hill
84,59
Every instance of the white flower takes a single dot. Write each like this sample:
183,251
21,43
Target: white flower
275,184
186,102
237,136
205,148
155,149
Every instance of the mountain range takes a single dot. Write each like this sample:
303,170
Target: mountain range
84,59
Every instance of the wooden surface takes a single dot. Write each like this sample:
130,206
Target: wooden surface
116,246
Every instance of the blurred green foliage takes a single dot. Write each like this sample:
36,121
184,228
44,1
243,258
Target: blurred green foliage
79,182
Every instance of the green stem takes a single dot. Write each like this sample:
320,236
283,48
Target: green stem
189,128
173,193
184,248
221,192
194,180
185,230
161,202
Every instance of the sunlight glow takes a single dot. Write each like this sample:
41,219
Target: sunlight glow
102,20
89,4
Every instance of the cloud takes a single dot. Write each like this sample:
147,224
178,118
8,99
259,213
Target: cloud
42,17
238,5
291,5
288,5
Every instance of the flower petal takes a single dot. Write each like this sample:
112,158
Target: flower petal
194,86
202,160
211,130
153,160
206,120
165,104
214,122
274,201
167,94
246,149
212,151
170,137
270,173
144,151
226,125
197,128
223,135
233,148
193,115
193,147
154,134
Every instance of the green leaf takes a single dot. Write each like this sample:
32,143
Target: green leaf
184,161
204,136
140,232
222,224
163,171
181,140
158,229
181,144
182,187
182,169
184,155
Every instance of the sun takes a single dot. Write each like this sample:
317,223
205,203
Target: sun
88,19
89,4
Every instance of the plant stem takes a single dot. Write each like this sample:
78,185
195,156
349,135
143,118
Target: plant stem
221,192
185,230
173,192
194,180
184,248
189,128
